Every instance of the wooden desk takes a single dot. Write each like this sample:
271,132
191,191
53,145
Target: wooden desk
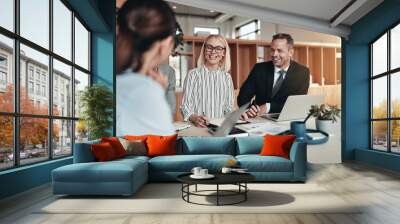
327,153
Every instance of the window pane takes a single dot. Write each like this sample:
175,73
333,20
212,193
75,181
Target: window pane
34,74
379,135
379,55
395,138
7,14
395,47
62,29
62,136
6,142
379,97
81,131
81,45
33,140
395,95
81,81
6,74
206,30
62,89
35,21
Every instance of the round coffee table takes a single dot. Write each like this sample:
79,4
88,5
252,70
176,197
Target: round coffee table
238,179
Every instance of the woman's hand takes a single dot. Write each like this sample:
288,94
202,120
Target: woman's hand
199,121
159,77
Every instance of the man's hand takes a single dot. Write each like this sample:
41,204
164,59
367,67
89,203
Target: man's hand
251,112
199,121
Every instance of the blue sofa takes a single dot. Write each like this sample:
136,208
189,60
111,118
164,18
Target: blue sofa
125,176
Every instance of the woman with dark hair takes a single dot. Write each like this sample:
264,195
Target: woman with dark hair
145,39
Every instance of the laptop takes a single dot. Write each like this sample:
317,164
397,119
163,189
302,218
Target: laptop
296,107
227,126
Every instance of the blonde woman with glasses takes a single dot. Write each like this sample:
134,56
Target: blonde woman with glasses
208,89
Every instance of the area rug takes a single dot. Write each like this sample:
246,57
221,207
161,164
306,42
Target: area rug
166,198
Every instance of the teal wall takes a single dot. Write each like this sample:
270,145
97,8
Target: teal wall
99,16
355,92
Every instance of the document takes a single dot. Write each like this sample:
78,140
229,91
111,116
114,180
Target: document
260,129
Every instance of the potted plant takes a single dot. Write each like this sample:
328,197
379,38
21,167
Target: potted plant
96,102
325,115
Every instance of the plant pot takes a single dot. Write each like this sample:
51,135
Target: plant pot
325,126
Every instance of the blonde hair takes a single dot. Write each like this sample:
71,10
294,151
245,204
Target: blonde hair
226,61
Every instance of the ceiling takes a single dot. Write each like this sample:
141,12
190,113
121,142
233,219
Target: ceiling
325,16
186,10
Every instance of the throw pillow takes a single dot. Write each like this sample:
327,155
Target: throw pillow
136,147
135,138
277,145
161,145
116,145
103,152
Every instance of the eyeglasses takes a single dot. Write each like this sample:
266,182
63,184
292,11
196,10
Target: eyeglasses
210,48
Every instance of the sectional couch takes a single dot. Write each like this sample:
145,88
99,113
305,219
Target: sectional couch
125,176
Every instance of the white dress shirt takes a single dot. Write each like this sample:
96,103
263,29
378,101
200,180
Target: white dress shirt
276,77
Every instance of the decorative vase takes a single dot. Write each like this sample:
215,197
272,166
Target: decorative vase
324,125
298,128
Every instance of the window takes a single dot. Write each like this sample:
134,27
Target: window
3,78
249,30
205,30
385,96
30,87
54,125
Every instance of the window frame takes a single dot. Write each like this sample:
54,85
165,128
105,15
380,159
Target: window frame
256,31
388,74
16,115
206,27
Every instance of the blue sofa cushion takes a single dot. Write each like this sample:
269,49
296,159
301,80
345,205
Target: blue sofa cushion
206,145
257,163
83,152
249,145
185,163
111,171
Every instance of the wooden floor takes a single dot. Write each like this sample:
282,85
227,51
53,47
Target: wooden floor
378,188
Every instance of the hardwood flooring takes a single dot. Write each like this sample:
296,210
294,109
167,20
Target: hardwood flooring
354,182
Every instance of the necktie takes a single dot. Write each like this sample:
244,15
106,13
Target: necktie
278,82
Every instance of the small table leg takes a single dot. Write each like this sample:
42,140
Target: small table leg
217,194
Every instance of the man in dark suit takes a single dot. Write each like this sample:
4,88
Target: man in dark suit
272,82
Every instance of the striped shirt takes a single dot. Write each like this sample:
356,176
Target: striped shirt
208,93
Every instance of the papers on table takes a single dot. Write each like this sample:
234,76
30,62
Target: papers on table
181,126
261,129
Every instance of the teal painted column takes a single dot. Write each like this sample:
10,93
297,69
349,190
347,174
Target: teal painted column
103,63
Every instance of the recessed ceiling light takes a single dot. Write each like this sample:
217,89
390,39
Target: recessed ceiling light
174,6
212,11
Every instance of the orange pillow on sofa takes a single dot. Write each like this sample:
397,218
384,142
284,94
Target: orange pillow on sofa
116,145
136,137
277,145
161,145
103,151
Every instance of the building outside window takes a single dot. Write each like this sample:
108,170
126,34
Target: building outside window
248,31
384,91
34,77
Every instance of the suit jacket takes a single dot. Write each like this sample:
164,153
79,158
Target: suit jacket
260,83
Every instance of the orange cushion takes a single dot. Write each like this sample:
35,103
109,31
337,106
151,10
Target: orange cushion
103,151
161,145
136,138
116,145
277,145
